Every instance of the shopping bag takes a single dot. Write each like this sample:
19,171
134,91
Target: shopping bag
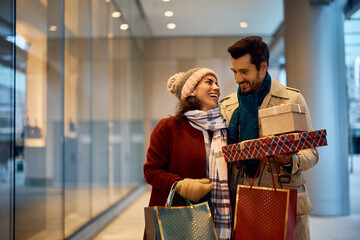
189,222
149,223
265,213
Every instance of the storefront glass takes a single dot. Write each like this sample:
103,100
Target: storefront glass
7,118
352,54
71,113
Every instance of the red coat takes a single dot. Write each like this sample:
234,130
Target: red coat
176,151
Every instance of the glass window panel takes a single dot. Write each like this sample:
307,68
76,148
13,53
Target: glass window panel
78,119
38,176
119,134
128,99
7,99
136,118
100,107
77,125
352,56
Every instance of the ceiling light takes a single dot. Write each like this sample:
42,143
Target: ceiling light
169,13
124,26
108,1
166,0
53,28
116,14
171,26
243,24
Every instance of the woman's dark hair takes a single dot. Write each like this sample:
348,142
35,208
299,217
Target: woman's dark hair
255,46
188,104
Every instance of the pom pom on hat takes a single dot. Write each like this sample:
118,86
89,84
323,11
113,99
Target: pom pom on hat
182,84
174,81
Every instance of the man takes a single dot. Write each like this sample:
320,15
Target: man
249,63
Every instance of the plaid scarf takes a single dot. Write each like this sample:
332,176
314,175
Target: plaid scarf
217,167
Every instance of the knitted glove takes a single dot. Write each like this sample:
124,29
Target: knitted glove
193,189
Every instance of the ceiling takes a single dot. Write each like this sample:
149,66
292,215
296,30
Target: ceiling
213,17
193,18
217,18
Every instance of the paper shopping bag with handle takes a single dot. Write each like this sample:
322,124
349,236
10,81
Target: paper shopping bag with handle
149,223
265,213
189,222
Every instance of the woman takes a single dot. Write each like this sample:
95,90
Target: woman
186,149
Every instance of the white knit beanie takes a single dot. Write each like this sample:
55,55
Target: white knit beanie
181,84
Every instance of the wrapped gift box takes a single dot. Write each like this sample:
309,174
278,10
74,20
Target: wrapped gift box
270,146
282,119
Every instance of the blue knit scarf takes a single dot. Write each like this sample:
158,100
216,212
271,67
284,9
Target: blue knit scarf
246,116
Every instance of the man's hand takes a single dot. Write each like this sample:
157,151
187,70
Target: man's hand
283,158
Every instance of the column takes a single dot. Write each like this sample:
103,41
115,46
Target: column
315,64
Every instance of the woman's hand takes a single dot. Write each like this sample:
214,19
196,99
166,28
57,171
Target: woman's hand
193,189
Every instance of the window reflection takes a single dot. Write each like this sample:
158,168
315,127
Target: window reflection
6,120
352,56
38,178
70,104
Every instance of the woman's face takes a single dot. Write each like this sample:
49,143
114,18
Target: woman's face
207,92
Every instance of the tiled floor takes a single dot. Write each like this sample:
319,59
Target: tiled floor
345,227
129,225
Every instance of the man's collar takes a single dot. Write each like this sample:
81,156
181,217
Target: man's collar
276,90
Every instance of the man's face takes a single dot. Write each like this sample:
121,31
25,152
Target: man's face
246,74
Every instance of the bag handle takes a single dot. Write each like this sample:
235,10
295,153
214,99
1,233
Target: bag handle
171,197
272,174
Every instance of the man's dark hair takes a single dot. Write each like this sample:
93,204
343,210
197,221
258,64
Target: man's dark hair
255,46
187,104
